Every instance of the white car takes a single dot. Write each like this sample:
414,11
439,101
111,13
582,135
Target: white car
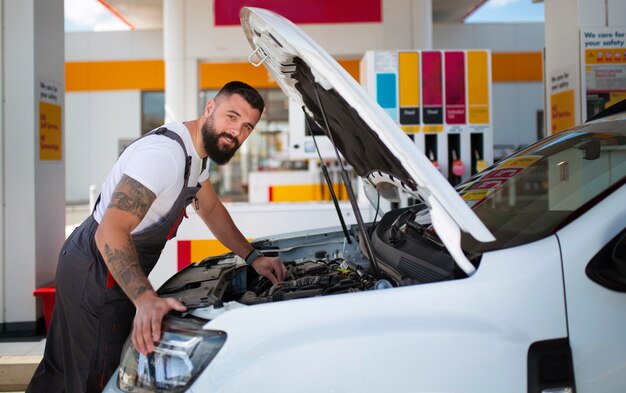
513,282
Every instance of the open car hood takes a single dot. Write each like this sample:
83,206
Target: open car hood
374,145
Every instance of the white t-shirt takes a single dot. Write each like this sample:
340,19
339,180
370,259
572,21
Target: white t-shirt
158,163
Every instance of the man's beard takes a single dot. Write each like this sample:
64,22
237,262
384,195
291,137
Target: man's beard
210,139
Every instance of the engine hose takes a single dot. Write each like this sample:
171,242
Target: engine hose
250,298
342,286
297,294
301,282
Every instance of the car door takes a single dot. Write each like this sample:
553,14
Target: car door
596,301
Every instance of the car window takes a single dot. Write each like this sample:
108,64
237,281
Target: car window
534,192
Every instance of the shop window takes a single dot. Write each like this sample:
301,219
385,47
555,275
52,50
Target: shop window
152,110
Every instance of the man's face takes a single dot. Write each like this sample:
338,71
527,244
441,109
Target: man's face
231,120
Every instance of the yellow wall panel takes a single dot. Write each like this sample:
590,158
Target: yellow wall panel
296,193
201,249
306,192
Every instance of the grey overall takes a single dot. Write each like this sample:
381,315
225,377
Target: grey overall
92,315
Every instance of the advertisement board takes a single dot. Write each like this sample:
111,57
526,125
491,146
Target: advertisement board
603,57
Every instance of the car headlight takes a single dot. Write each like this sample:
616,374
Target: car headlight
176,361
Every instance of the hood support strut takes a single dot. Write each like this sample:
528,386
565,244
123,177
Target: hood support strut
329,182
346,181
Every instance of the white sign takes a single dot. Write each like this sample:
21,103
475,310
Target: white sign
386,61
49,92
561,80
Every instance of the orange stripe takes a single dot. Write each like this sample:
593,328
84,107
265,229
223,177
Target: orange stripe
517,67
116,13
215,75
115,75
353,68
150,74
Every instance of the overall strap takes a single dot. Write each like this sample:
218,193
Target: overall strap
174,136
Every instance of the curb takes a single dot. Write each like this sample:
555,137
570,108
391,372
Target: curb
16,371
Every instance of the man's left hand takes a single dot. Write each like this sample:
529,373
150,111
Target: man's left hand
271,268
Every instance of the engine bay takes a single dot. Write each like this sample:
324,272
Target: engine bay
320,263
317,265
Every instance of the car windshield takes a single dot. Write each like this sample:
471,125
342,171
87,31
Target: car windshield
539,189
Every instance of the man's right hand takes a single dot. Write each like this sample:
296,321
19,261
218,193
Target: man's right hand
151,309
271,268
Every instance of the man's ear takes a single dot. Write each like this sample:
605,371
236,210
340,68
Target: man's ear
210,107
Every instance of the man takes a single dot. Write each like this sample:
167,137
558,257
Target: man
103,290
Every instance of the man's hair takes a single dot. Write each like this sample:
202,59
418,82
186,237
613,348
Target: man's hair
246,91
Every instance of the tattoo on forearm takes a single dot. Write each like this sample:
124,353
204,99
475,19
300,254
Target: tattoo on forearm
131,196
124,266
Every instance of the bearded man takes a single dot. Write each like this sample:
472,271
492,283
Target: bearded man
102,291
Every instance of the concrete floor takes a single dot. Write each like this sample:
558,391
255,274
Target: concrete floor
23,347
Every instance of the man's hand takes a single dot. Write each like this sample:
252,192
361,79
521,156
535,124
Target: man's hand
147,324
271,268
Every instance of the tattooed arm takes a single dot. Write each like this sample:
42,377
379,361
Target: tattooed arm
129,204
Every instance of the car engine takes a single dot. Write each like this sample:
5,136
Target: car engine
308,279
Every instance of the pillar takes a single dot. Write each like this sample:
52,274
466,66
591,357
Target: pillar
422,17
33,215
564,20
181,71
408,24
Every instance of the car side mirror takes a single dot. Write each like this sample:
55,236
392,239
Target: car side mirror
591,149
608,267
